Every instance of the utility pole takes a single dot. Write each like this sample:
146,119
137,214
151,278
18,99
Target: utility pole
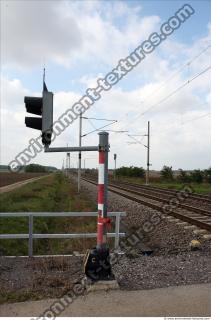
115,156
85,161
79,154
148,148
68,161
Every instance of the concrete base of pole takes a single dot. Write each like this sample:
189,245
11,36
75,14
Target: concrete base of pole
101,285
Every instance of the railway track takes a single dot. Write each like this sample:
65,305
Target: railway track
199,197
189,200
193,215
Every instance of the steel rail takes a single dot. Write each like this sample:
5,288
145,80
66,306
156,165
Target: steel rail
166,191
184,206
196,220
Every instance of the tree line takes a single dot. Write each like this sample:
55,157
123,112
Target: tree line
183,176
167,174
39,168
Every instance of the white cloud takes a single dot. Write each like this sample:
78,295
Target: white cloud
12,92
35,31
38,32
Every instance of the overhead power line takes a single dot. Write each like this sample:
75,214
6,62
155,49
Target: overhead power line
137,135
117,131
196,107
173,92
136,140
196,118
190,120
99,119
178,71
98,129
188,63
92,124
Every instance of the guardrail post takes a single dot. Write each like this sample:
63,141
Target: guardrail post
30,235
117,228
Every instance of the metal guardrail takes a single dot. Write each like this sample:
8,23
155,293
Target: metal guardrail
31,235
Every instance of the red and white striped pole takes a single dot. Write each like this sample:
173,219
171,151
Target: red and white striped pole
103,221
97,264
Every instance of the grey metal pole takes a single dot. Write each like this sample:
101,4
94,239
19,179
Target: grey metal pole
79,154
68,163
148,147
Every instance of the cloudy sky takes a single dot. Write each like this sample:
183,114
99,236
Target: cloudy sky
80,41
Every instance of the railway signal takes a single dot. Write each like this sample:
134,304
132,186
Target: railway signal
41,106
115,156
97,261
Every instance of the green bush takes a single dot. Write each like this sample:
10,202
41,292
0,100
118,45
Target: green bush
167,173
207,175
35,168
197,176
131,172
183,176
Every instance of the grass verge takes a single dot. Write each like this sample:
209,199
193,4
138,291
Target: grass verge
54,193
203,188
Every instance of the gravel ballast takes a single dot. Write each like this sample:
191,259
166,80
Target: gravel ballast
166,237
162,271
172,262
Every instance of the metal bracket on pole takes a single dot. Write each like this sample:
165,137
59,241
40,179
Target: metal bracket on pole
72,149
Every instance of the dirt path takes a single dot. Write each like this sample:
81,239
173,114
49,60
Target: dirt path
193,300
16,185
